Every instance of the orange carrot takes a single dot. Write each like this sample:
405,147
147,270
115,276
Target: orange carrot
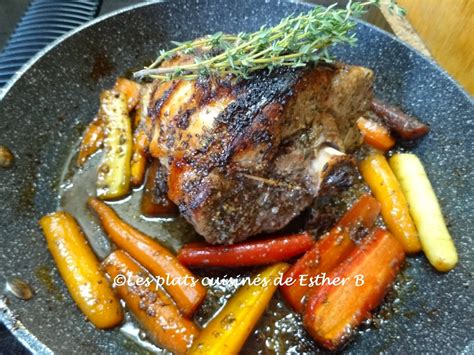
186,290
329,251
353,289
386,189
139,158
91,141
155,201
375,134
153,309
80,270
131,89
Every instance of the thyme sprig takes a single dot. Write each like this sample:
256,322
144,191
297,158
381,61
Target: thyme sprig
294,42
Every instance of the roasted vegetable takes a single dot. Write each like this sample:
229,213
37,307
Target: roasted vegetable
386,189
113,179
154,310
436,242
185,289
140,137
357,286
329,251
80,270
251,253
92,140
131,89
155,201
407,127
227,332
375,134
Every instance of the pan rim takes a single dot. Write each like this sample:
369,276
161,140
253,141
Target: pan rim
4,91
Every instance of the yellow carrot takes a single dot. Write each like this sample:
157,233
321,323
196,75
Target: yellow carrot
386,189
227,332
435,240
113,180
80,270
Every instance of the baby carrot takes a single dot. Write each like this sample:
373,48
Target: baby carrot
375,134
185,289
80,270
334,310
386,189
436,241
154,310
227,331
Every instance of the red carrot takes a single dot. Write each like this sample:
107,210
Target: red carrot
407,127
329,251
334,310
256,252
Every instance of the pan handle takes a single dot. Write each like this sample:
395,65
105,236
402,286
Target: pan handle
42,23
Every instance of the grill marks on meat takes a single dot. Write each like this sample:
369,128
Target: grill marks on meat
245,157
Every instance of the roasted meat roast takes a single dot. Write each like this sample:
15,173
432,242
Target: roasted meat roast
243,157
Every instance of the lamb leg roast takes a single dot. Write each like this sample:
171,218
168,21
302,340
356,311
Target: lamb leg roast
244,157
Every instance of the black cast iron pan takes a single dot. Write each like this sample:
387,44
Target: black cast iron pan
43,113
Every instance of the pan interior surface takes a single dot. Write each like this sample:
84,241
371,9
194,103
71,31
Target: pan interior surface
44,113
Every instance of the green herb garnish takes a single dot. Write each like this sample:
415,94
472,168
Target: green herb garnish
294,42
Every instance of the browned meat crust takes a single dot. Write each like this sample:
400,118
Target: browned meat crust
246,157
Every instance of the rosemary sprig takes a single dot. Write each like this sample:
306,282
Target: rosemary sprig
294,42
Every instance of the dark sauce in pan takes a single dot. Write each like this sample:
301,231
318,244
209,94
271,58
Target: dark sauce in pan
279,330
